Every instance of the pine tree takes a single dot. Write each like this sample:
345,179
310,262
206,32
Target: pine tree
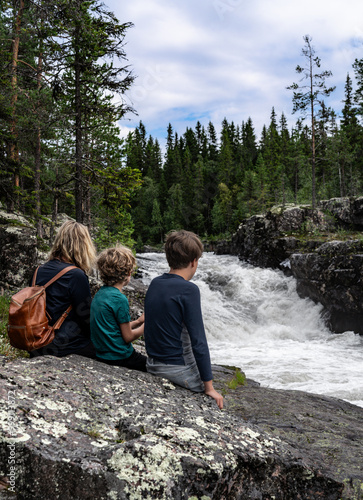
271,151
174,217
349,122
249,144
212,142
324,120
156,229
358,95
136,152
144,207
285,159
172,169
340,157
307,97
89,39
226,163
153,159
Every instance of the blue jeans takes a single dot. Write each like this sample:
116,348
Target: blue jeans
186,375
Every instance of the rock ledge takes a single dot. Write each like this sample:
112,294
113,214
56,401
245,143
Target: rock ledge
81,429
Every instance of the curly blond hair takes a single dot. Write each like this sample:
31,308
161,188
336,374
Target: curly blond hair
73,244
115,264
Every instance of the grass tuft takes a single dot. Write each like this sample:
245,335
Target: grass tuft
238,379
5,348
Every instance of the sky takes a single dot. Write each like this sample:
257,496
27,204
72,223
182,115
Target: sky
208,60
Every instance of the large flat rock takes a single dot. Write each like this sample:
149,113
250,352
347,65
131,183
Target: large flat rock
79,429
326,432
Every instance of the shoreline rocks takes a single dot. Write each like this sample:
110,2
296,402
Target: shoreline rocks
332,275
296,241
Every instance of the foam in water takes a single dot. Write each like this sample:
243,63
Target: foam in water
255,320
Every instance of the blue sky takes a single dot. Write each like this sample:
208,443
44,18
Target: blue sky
210,59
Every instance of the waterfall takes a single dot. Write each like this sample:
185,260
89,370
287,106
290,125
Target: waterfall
255,320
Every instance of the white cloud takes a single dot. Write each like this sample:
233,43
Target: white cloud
231,58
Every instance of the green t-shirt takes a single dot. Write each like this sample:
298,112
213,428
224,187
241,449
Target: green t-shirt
109,309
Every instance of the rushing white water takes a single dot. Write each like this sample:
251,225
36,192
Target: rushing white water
255,320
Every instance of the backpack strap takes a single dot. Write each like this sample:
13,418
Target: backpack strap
60,320
35,276
59,275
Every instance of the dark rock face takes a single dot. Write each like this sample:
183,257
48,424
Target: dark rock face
330,273
19,254
267,241
347,211
333,276
20,251
135,292
79,429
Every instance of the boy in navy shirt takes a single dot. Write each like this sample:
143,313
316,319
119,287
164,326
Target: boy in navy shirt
174,333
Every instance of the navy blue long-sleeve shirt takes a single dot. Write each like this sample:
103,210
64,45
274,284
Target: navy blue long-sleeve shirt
70,289
170,303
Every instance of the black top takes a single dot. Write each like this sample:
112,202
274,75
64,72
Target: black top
70,289
171,303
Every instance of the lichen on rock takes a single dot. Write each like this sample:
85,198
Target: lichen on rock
87,430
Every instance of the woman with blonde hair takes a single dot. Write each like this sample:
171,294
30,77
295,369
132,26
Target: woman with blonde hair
72,247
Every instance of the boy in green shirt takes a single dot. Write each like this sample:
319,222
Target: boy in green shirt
112,331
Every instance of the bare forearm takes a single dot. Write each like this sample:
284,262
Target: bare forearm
138,322
137,332
130,334
208,386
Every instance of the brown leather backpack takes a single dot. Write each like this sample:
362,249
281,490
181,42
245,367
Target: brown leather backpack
28,325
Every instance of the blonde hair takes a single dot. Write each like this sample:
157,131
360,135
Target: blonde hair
181,248
73,244
115,264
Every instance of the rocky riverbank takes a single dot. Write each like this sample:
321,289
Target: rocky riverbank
322,249
78,429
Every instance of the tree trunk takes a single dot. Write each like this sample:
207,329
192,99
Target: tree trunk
54,214
313,161
86,178
13,148
78,105
55,206
37,158
342,181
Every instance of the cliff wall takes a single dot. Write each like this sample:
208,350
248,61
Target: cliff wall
322,249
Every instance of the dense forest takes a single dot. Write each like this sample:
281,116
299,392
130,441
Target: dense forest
63,90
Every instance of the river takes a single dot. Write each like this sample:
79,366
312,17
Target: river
255,320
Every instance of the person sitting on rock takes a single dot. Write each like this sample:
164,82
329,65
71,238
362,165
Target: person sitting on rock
174,333
112,331
72,247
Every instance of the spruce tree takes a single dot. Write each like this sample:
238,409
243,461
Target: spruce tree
349,122
212,142
88,41
306,97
